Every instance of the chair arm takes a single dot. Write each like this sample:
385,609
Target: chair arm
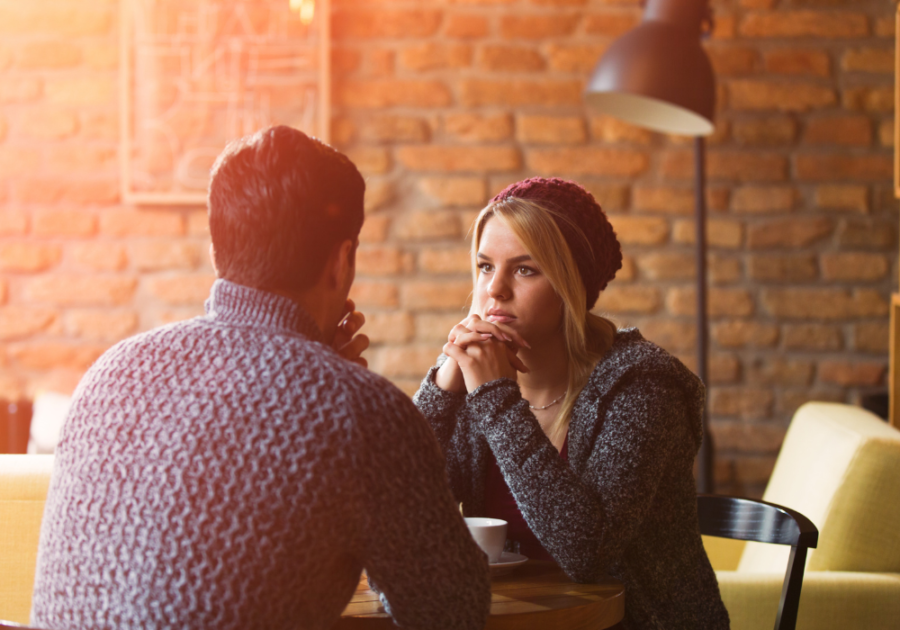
829,599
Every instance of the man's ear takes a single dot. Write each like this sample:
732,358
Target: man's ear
342,265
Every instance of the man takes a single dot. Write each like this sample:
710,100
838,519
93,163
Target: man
233,471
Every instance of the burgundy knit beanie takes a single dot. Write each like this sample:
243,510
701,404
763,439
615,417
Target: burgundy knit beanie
590,236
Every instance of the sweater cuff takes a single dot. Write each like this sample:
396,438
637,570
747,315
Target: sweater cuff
437,401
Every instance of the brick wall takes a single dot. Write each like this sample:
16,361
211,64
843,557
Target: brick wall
443,102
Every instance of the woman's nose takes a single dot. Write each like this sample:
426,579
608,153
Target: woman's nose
499,288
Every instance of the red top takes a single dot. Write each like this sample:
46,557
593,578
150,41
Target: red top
499,503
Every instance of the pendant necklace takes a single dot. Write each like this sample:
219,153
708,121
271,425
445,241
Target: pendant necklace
547,406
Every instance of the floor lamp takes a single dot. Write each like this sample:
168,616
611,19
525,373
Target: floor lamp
658,76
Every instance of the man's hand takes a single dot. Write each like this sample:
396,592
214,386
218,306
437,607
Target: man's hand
346,342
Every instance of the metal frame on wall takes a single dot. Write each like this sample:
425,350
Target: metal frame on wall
196,75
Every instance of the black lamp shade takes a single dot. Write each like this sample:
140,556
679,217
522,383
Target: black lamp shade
657,75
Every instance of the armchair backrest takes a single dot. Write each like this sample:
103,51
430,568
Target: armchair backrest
840,467
24,480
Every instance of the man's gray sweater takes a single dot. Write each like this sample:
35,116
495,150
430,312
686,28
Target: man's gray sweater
624,503
232,471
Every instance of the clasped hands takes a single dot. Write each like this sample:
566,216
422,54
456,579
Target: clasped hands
346,342
478,352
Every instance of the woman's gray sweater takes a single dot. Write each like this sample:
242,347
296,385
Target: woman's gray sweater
625,503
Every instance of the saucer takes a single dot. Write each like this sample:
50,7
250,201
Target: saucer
508,561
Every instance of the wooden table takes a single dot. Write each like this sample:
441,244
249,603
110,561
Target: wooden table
537,596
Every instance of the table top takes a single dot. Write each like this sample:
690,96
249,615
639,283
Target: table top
536,595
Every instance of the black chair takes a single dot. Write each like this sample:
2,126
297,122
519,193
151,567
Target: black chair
746,519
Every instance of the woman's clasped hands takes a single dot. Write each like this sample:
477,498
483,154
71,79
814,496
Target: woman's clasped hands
478,352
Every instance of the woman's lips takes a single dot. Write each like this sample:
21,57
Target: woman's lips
500,318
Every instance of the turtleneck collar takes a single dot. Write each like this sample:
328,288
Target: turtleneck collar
245,306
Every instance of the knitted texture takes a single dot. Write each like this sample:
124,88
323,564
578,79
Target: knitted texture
587,231
624,504
232,472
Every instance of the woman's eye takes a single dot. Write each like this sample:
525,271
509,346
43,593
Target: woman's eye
485,267
526,271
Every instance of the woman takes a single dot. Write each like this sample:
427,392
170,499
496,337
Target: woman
581,436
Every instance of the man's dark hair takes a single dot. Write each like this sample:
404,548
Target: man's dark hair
279,202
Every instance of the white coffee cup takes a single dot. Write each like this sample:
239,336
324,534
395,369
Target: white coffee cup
489,534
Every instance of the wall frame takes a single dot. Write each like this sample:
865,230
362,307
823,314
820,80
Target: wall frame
195,75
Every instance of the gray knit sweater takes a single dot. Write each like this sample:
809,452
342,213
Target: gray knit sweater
625,503
231,471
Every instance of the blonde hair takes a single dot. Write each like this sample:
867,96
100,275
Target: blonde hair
588,337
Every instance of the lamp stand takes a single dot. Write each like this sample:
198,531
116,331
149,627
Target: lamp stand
705,473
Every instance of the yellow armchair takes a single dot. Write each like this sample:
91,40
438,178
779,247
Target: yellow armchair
840,467
24,480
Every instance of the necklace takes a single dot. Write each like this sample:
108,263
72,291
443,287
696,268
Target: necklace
547,406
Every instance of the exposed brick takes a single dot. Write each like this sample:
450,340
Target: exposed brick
640,230
721,233
101,324
885,26
375,229
459,158
745,402
101,56
788,24
456,260
379,63
852,373
344,61
764,199
854,266
99,256
391,128
611,23
869,99
375,294
723,369
81,290
183,289
628,272
667,266
791,400
577,58
465,25
679,201
725,269
779,372
381,93
838,166
72,159
727,165
435,327
745,334
886,133
629,299
671,334
434,56
798,61
609,196
550,129
818,337
19,89
28,257
725,27
871,337
519,92
455,191
506,58
379,193
824,304
869,60
69,223
867,235
47,123
789,233
839,130
72,20
720,302
411,361
537,26
4,128
752,94
771,131
733,61
385,23
748,437
15,160
49,54
419,226
13,223
390,328
91,90
381,261
478,127
157,255
122,222
54,355
52,190
783,267
611,129
430,296
17,322
99,126
587,161
843,197
370,160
